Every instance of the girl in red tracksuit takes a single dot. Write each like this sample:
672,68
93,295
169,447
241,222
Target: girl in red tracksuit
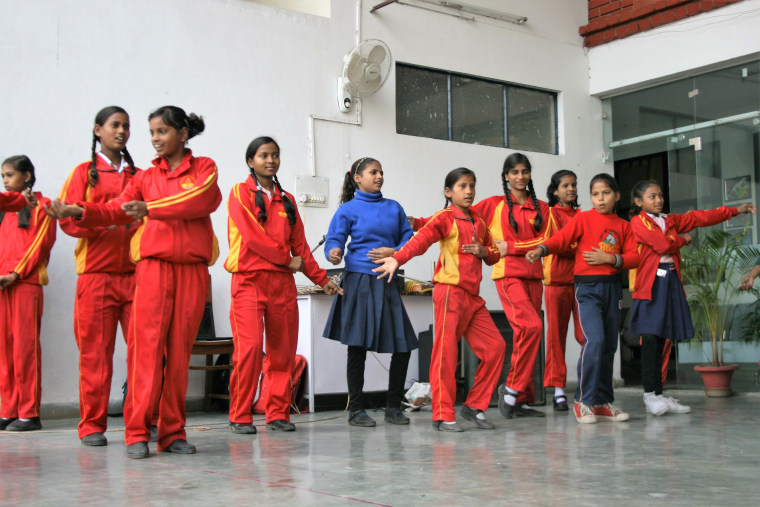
659,310
459,310
267,245
173,249
518,216
558,285
604,246
28,235
106,281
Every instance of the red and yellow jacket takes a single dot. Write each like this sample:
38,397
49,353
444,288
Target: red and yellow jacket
495,212
268,246
558,268
452,229
591,229
27,251
652,243
12,201
99,249
178,226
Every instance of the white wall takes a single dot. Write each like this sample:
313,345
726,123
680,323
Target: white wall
251,70
686,47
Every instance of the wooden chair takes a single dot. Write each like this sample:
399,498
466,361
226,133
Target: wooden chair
209,345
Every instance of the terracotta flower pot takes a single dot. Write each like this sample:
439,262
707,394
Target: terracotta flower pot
717,379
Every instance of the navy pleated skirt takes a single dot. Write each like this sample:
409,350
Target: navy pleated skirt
667,314
370,314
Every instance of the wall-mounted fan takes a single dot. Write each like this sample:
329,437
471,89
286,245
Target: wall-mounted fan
365,69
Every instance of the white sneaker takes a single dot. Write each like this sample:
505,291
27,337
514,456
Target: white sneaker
674,406
656,405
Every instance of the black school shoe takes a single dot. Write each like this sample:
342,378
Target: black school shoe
28,425
520,409
471,414
5,421
395,416
138,450
281,425
360,418
560,403
96,439
243,428
452,428
180,446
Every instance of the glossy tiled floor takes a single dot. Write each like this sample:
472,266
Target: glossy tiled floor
707,458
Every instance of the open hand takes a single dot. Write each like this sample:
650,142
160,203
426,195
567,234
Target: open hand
388,267
380,253
597,257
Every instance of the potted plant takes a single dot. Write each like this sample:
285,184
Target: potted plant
711,272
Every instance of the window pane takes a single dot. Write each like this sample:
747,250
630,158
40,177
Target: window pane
531,120
421,103
477,111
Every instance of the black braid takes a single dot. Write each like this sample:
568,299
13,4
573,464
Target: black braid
92,176
260,203
286,202
539,220
129,160
508,195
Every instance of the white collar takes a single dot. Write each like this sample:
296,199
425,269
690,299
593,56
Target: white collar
124,164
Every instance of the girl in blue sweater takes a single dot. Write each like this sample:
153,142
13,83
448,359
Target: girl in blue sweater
369,315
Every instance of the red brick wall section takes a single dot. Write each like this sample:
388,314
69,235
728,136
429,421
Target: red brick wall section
609,20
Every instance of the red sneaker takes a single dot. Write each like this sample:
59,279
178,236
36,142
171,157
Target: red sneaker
583,413
608,412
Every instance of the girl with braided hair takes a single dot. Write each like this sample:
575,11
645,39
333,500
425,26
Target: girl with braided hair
517,222
106,281
371,315
172,248
267,245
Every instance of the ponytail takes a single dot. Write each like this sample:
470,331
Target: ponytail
100,119
539,220
349,185
177,118
637,192
290,209
22,164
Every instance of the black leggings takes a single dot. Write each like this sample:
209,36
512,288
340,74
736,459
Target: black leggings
355,376
651,363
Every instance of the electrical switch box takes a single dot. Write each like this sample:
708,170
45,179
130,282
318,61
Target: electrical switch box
312,191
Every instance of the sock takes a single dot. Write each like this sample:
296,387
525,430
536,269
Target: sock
558,391
649,395
480,415
449,422
23,420
511,397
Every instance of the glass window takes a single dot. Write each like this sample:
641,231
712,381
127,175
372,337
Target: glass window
467,109
531,116
422,103
477,111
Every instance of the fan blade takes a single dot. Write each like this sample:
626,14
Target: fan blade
376,54
354,69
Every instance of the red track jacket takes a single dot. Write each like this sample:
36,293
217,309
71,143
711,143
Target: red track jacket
652,243
269,246
178,227
496,214
99,249
452,230
27,251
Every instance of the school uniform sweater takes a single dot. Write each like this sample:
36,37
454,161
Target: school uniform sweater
26,251
12,201
452,229
269,245
558,268
178,226
495,212
652,243
99,249
372,222
591,229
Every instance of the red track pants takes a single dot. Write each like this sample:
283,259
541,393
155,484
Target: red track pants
263,302
103,300
166,313
20,351
521,300
458,313
560,304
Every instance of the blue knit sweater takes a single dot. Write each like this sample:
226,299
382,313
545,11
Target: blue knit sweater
372,222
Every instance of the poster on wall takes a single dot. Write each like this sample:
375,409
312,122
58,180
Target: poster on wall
737,189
